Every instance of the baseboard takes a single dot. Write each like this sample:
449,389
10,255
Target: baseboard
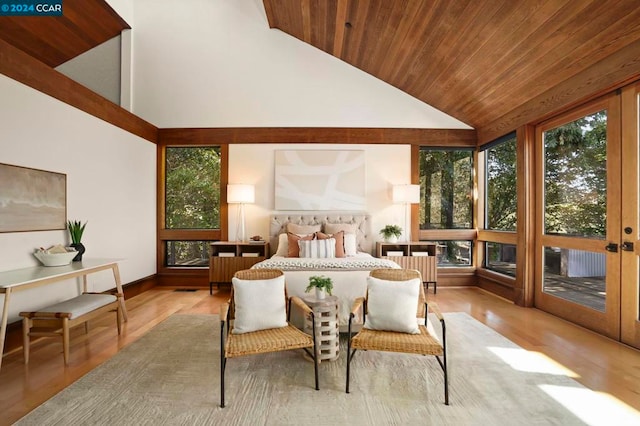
13,338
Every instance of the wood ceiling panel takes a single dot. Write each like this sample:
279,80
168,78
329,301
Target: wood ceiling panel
476,61
550,60
56,39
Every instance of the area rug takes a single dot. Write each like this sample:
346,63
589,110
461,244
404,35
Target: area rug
171,376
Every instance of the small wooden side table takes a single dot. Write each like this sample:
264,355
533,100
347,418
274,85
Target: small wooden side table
325,312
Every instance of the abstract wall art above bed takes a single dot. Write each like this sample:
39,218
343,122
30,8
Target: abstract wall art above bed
320,180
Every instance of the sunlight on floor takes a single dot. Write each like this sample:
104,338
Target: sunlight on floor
593,408
531,362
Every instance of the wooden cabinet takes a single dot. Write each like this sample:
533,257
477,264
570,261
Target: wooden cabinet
413,255
228,257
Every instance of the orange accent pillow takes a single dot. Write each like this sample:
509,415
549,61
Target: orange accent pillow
294,250
339,236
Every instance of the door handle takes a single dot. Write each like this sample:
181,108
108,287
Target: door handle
612,247
627,246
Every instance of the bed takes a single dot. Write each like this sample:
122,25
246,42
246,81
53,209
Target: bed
348,274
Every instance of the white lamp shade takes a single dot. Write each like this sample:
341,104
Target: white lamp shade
241,194
406,194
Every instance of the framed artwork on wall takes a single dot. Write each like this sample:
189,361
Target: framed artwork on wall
320,180
32,199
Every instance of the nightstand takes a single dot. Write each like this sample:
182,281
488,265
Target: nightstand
228,257
413,255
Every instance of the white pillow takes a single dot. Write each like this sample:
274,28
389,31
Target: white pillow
283,245
260,304
317,248
392,305
350,246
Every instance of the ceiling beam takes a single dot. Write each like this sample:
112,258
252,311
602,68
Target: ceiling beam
327,135
19,66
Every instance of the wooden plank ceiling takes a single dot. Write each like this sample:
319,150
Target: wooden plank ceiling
474,60
54,40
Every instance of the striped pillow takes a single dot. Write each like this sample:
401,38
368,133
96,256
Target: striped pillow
317,248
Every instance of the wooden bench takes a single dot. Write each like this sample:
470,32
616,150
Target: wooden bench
56,320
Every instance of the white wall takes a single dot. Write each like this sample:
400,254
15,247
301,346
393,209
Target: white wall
216,63
386,165
111,179
97,69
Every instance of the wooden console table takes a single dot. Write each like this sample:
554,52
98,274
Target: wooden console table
22,279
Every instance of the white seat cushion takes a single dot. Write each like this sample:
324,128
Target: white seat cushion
81,305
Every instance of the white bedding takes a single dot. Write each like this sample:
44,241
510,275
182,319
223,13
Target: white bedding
348,274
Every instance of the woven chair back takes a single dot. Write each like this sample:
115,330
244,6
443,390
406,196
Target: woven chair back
402,275
255,274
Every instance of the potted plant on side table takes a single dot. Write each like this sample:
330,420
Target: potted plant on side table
321,284
391,233
76,229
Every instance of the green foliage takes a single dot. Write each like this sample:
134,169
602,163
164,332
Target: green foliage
390,231
321,282
501,186
576,177
192,197
446,180
192,188
76,229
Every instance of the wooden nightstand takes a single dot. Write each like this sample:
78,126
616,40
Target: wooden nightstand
228,257
413,255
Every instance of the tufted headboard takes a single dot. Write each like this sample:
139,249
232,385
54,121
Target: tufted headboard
364,239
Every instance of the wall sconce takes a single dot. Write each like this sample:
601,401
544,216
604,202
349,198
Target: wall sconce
240,194
406,194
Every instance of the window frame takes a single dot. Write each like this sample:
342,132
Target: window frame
164,235
490,235
445,234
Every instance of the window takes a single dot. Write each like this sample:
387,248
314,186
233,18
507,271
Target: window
454,253
192,181
498,238
500,258
192,199
501,195
575,177
446,181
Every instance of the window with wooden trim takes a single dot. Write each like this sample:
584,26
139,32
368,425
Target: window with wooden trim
192,193
446,184
500,204
446,203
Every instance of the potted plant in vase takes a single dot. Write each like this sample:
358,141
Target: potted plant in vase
321,284
391,233
76,229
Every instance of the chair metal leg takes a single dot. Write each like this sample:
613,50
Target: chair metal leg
444,358
443,363
223,364
316,357
349,354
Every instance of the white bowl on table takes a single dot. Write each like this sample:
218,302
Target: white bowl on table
55,259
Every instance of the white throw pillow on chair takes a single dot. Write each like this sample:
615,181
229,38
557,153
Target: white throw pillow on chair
260,304
392,305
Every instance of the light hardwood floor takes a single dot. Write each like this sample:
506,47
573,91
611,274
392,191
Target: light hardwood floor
598,362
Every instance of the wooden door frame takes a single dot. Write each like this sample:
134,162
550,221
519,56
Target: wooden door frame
629,314
608,322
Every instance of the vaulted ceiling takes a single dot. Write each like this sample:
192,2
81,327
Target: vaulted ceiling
478,61
493,64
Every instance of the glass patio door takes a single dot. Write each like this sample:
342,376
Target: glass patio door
578,216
